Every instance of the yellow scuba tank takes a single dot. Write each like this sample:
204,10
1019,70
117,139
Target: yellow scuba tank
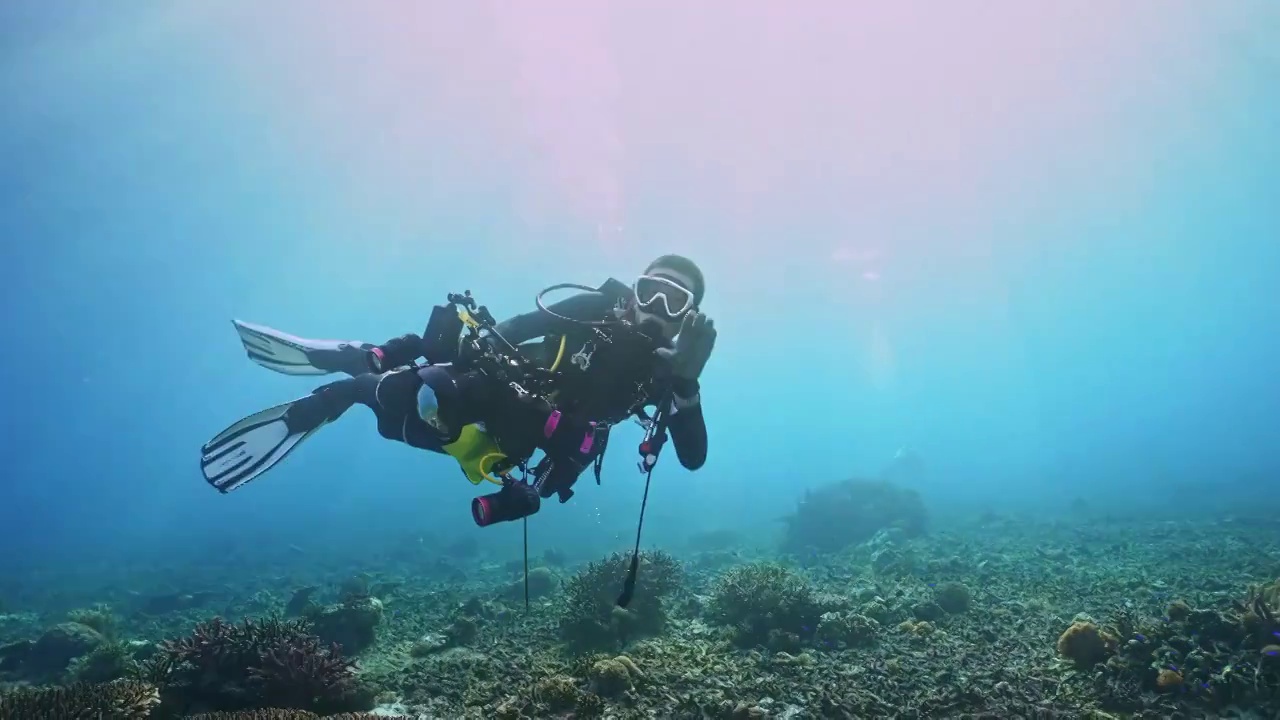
477,453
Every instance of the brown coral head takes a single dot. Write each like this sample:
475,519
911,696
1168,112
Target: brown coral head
1168,680
1085,645
1178,610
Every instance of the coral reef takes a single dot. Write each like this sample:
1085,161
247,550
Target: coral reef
1085,644
352,624
846,629
766,604
278,714
841,514
99,617
301,602
542,583
953,597
49,657
1156,619
270,663
109,661
590,619
612,677
121,700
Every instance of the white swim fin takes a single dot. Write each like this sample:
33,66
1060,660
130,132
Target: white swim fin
259,442
290,354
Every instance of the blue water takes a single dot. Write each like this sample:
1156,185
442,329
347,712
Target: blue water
1124,353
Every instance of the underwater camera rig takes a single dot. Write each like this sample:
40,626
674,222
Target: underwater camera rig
465,334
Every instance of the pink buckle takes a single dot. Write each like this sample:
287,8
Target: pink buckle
588,440
552,421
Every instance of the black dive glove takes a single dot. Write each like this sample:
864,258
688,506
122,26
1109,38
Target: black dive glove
557,475
360,358
693,346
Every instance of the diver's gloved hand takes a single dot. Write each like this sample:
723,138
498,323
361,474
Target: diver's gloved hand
693,346
357,359
556,476
350,359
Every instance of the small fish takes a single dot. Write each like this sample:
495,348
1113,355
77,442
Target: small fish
1141,637
1276,633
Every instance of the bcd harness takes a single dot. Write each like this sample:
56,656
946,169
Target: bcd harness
464,334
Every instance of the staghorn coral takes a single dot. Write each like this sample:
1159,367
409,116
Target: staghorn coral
591,620
271,663
268,714
278,714
845,513
122,700
766,604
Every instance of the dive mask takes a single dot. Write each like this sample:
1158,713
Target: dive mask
662,296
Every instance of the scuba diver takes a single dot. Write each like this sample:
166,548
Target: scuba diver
495,395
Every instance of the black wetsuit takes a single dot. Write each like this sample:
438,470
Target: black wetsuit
604,382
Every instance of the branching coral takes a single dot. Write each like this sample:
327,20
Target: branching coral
845,513
109,661
272,663
1258,613
278,714
765,602
99,617
591,620
125,700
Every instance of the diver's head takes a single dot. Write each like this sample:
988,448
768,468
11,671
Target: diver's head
670,288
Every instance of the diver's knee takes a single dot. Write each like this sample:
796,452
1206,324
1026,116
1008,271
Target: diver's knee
396,391
391,428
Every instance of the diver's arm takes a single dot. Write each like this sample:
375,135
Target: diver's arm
688,428
536,324
397,352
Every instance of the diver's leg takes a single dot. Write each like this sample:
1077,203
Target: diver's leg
292,355
425,408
